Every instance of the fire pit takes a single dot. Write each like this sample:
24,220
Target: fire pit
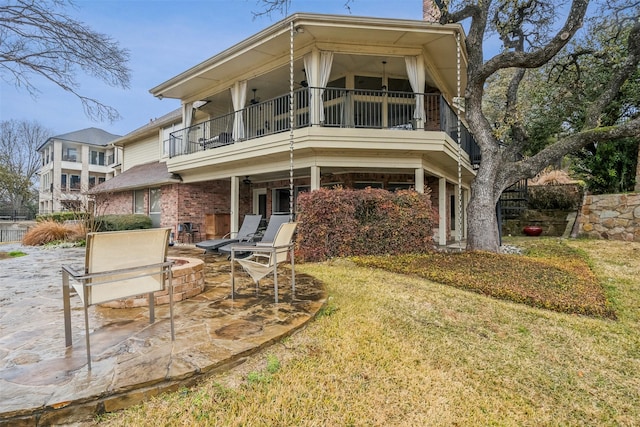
188,281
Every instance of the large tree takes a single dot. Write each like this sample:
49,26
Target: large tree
529,41
38,39
531,33
19,162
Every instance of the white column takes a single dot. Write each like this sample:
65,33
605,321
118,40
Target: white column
315,177
442,211
419,180
235,203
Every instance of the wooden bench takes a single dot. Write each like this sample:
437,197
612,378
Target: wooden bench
119,264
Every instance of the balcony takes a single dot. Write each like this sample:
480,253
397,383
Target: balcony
338,108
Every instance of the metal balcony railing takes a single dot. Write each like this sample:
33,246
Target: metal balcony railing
345,108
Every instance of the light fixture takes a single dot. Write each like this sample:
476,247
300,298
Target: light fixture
384,76
254,100
160,97
246,180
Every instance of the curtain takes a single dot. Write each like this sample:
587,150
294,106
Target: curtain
187,119
317,66
415,71
238,98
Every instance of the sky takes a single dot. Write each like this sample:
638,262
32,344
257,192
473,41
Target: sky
164,38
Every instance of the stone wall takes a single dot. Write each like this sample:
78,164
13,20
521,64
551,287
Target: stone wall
611,217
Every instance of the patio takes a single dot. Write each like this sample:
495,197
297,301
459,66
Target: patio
42,382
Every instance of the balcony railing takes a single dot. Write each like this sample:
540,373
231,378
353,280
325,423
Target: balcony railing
345,108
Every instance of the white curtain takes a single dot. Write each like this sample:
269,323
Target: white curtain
187,120
416,73
238,98
317,66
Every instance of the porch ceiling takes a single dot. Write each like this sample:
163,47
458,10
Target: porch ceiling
355,40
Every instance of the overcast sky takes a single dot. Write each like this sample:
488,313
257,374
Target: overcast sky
164,37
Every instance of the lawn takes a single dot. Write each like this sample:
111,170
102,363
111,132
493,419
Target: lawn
401,350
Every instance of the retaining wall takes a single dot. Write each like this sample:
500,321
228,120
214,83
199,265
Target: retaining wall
611,217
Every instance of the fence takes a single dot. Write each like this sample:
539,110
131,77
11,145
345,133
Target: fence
14,235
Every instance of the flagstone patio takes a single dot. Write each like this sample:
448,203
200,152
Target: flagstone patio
44,383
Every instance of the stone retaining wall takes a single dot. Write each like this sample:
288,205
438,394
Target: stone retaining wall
611,217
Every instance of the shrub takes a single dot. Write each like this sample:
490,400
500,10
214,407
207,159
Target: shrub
51,231
565,197
123,222
62,216
344,222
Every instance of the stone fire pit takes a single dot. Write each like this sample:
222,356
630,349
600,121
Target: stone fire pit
188,281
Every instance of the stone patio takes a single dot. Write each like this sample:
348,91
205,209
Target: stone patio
44,383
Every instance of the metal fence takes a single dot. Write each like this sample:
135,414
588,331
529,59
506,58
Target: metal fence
14,235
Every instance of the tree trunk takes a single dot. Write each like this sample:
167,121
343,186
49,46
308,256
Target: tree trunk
482,224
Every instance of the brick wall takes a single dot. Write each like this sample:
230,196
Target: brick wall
611,217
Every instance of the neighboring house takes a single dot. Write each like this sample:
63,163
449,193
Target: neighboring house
313,101
72,164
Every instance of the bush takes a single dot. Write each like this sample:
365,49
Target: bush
52,231
563,197
61,217
343,222
122,222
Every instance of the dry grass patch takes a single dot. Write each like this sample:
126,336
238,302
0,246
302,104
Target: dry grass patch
551,275
397,350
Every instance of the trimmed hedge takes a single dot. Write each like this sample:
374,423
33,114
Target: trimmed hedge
344,222
61,217
122,222
561,196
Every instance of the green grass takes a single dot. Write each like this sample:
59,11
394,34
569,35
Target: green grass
394,349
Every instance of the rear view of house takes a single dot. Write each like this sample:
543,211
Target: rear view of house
312,101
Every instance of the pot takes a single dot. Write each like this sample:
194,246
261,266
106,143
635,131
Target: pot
532,230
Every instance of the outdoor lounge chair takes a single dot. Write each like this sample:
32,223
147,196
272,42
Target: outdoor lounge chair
265,259
267,238
246,233
119,264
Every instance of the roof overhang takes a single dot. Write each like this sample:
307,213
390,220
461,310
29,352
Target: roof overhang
343,34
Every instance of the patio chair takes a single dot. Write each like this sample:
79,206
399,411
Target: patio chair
188,229
247,232
267,238
265,259
119,264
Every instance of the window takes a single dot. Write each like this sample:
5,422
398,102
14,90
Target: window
362,185
280,202
70,154
97,158
63,182
138,202
155,207
74,184
92,181
395,186
399,85
366,82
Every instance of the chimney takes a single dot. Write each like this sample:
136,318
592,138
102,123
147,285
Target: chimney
430,12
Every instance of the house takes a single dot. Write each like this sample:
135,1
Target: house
312,101
73,163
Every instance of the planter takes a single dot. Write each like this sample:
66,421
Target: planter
532,230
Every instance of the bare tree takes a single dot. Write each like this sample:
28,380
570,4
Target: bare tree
37,38
19,160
